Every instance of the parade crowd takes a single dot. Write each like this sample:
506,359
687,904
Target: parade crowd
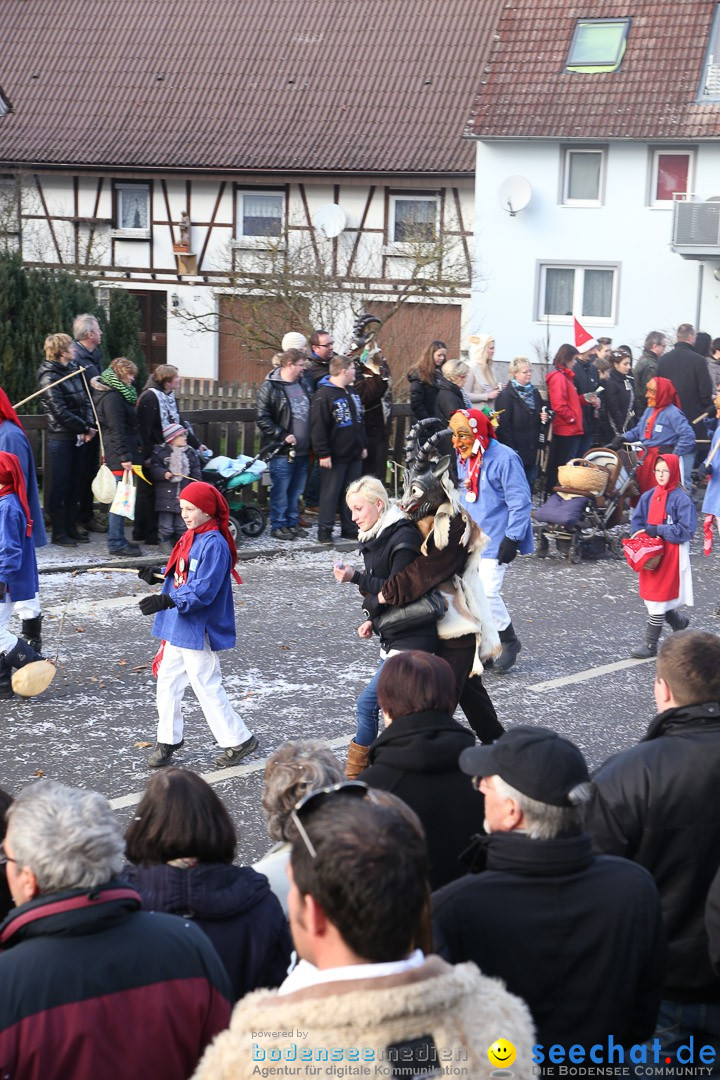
447,898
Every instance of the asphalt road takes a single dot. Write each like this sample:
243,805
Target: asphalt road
299,665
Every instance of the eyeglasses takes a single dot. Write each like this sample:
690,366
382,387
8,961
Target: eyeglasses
4,857
313,799
325,345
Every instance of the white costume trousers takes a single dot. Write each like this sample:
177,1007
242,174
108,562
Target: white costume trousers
8,641
201,669
29,609
492,575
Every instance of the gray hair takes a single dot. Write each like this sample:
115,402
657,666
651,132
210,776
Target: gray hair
370,488
294,769
452,368
84,325
518,363
68,837
542,821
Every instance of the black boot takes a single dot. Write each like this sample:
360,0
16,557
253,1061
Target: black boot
20,655
510,648
676,620
650,648
32,632
6,690
59,534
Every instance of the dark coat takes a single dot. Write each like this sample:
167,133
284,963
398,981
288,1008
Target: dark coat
118,422
384,555
149,420
416,758
83,974
316,370
371,387
423,395
587,380
167,492
619,402
234,906
67,405
92,362
336,424
449,398
576,935
658,803
274,412
688,372
519,426
644,369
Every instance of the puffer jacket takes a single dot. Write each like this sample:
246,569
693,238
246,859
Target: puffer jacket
67,405
658,803
118,421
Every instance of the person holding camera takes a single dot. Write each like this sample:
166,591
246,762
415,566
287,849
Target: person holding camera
283,416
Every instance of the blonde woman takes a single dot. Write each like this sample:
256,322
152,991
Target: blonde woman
482,386
115,398
522,415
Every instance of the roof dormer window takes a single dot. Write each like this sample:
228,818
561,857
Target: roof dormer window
597,45
710,86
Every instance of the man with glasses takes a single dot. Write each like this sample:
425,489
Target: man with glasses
357,905
283,416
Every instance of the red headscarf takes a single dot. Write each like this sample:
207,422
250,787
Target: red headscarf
665,394
208,499
484,432
6,410
658,499
11,477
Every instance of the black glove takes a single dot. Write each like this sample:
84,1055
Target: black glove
3,590
708,469
150,574
616,443
157,602
651,530
507,551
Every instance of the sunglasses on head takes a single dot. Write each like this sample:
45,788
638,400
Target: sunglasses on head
314,799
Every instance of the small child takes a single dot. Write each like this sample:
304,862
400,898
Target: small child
666,511
195,621
172,466
18,567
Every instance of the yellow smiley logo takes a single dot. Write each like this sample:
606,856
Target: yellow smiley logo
501,1053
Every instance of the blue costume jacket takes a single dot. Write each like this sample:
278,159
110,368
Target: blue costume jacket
13,440
18,565
680,516
204,604
503,504
711,502
671,429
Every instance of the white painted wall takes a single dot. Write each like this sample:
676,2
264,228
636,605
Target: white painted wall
658,288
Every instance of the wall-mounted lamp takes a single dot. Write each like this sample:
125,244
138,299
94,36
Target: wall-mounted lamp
175,301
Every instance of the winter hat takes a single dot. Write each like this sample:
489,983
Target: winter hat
583,340
208,499
535,761
11,476
171,431
293,340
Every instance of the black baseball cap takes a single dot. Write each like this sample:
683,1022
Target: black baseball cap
535,761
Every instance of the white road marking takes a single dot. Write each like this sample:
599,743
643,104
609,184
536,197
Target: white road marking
584,676
218,775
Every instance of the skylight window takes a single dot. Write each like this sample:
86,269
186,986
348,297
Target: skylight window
597,45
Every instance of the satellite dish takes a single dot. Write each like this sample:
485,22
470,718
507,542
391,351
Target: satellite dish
330,220
514,194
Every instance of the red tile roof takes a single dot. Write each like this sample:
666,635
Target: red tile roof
526,94
365,86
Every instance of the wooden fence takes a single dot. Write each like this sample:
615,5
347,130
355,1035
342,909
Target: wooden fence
230,431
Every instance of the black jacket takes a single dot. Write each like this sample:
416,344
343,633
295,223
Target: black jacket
371,387
274,414
234,906
416,758
92,362
316,370
167,492
619,402
423,395
118,421
688,372
587,380
336,424
384,555
576,935
149,420
519,426
658,803
449,398
67,405
643,371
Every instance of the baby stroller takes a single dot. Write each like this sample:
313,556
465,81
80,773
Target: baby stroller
230,476
589,502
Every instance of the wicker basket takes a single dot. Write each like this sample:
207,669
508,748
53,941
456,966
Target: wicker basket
584,476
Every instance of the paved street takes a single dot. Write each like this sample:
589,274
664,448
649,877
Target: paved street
299,665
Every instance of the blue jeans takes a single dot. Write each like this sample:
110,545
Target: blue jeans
678,1020
368,711
65,459
288,482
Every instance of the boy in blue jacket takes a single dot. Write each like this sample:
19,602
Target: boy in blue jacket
18,567
195,620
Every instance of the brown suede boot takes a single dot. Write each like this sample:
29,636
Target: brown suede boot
357,760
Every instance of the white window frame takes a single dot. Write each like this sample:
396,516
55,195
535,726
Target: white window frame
126,233
568,151
400,246
578,288
657,152
251,240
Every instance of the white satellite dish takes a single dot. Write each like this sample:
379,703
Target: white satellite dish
514,194
330,220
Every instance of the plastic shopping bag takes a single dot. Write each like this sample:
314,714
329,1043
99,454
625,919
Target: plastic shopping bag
124,501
